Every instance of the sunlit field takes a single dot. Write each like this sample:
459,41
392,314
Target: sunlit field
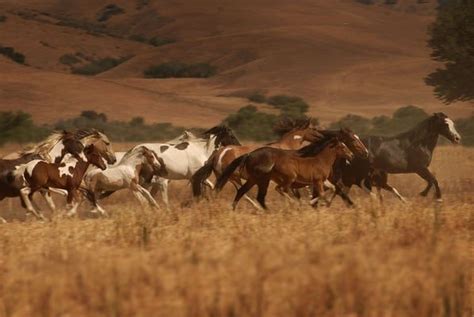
203,259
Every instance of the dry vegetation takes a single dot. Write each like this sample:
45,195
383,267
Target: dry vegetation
399,260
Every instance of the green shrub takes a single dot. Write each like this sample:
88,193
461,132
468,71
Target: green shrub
19,127
138,38
69,59
465,127
99,66
250,124
257,97
291,106
180,70
12,54
358,124
2,18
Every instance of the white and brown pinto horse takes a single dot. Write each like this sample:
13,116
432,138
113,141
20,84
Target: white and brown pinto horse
181,160
124,175
52,150
67,175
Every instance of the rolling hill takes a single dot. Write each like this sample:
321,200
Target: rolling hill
340,55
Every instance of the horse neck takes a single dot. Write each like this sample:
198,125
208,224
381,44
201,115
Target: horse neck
422,135
134,160
326,158
81,168
55,152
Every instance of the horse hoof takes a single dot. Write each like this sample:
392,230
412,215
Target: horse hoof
439,200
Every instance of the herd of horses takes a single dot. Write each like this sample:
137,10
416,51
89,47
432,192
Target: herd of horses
82,165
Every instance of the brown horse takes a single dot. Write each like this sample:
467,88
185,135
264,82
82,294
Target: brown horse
310,165
294,135
66,175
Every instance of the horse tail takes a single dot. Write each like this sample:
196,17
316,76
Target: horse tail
229,170
200,176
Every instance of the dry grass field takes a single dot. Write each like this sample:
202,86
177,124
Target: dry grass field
205,260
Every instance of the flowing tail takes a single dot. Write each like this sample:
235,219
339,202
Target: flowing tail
222,180
197,180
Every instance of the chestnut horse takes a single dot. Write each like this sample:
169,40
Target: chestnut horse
294,134
310,165
67,175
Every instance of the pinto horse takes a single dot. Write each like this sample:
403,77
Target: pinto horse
310,165
407,152
294,134
182,160
52,149
126,174
66,175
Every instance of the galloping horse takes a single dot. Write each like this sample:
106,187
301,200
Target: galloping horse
52,149
67,175
407,152
126,174
182,160
310,165
294,134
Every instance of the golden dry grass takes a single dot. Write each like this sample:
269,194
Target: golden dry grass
205,260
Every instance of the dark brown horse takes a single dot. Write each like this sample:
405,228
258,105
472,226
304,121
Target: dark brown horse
65,175
310,165
407,152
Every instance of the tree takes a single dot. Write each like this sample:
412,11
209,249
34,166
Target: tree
452,42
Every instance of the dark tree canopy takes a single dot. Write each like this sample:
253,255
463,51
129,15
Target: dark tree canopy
452,42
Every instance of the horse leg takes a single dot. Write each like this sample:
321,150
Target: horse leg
148,196
318,189
33,202
161,185
367,188
242,191
431,179
393,190
73,201
24,193
49,200
2,220
250,200
262,191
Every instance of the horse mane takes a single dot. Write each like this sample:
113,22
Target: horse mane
132,151
287,124
316,147
42,148
420,131
224,135
84,133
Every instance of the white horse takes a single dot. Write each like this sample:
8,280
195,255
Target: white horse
181,160
125,174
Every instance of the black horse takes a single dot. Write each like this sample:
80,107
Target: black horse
407,152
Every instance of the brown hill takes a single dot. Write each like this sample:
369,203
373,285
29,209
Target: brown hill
341,56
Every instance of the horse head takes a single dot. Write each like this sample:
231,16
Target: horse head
445,127
99,140
151,159
341,149
94,157
353,142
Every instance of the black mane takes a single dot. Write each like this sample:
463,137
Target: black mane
316,147
224,135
